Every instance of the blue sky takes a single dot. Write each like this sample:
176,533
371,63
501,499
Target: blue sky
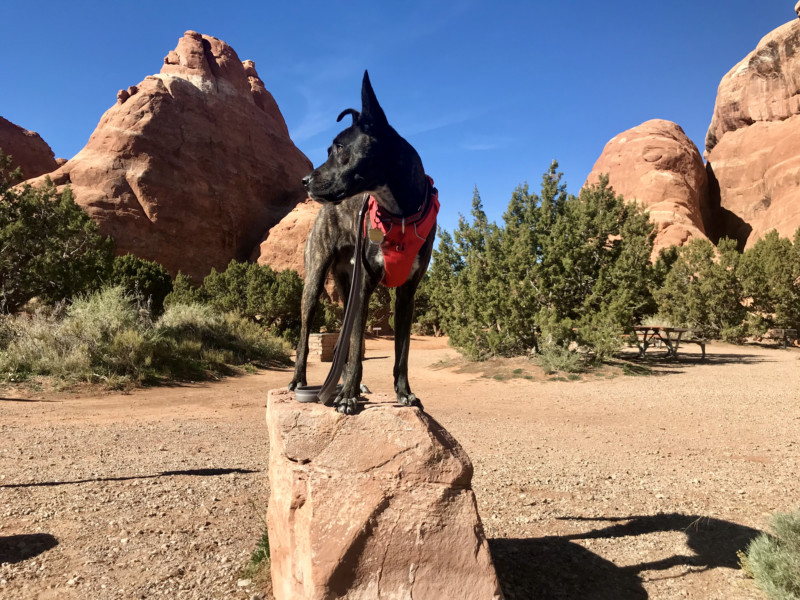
488,92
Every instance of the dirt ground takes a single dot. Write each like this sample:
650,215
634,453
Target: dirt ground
610,486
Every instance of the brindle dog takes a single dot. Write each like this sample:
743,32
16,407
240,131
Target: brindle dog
369,157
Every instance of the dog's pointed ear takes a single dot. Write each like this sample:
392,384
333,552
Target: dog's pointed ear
372,115
349,111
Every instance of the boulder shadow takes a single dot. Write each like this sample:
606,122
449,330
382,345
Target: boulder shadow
17,548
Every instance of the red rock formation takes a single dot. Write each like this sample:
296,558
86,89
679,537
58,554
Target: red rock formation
191,166
657,165
374,506
27,149
753,143
282,247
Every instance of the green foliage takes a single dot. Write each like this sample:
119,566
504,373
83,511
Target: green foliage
49,248
184,291
380,309
109,336
142,278
259,293
328,317
434,300
577,268
702,290
774,560
769,273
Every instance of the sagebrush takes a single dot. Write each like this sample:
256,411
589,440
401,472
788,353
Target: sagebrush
773,560
110,337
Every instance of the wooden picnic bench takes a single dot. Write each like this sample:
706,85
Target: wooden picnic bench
671,337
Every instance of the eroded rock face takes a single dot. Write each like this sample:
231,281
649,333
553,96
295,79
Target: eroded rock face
192,166
27,149
753,143
658,166
378,505
283,245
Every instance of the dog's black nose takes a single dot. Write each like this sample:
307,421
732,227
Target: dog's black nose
306,181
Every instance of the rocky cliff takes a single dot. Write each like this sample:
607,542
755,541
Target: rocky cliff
27,149
753,143
751,180
191,166
659,167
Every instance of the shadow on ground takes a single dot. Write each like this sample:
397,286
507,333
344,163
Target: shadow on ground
557,567
192,472
16,548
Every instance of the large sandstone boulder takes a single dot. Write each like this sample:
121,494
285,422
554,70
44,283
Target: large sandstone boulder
191,166
753,143
283,245
27,149
659,167
374,506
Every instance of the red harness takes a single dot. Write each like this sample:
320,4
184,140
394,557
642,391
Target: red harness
403,236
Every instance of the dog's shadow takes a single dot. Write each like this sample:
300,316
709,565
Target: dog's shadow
557,567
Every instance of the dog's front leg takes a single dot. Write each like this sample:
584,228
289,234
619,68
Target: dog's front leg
347,400
403,315
316,270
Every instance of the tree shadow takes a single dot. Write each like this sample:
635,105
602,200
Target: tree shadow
556,567
659,360
192,472
3,399
16,548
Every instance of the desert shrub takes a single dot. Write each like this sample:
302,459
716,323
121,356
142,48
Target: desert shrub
328,316
142,278
49,248
773,560
556,359
259,293
75,343
110,336
184,291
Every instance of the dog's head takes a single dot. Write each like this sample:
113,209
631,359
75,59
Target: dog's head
357,158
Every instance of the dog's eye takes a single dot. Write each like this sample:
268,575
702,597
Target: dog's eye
339,148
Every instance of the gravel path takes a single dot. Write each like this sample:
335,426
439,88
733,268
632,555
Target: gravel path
611,487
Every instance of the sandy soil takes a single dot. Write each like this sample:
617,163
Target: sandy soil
611,486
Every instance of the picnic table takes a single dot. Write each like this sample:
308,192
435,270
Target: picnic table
671,337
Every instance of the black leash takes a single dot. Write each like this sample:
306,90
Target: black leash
353,305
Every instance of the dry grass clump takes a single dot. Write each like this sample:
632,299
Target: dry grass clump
112,338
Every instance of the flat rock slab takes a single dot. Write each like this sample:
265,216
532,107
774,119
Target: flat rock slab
373,506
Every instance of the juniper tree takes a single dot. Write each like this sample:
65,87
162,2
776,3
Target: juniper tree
702,290
49,248
768,272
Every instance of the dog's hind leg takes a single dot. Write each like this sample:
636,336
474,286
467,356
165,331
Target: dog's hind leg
316,270
403,315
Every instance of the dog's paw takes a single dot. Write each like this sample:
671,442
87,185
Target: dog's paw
346,406
409,400
365,389
295,383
